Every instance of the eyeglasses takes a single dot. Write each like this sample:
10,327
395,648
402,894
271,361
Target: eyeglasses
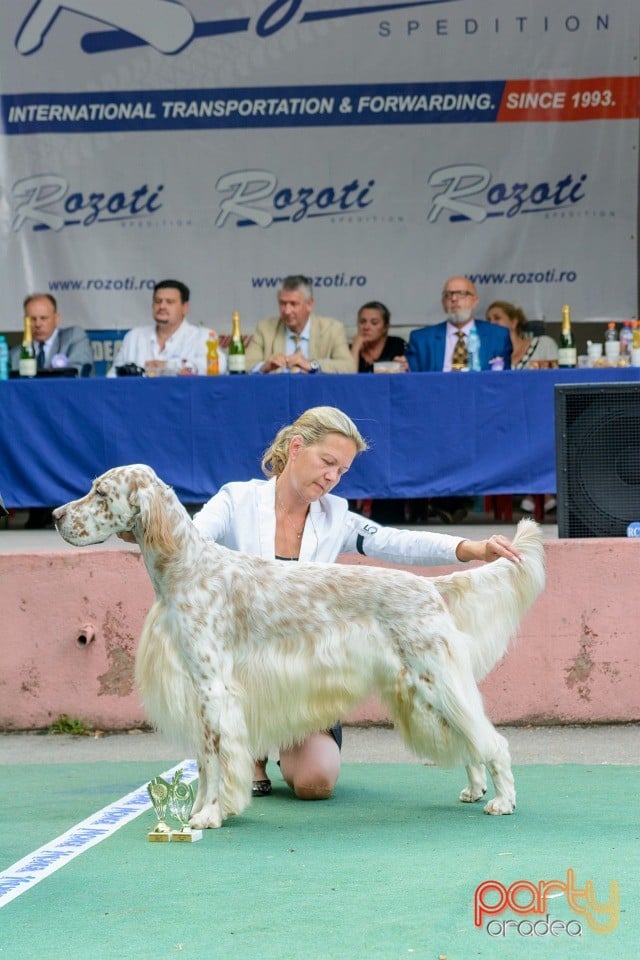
450,294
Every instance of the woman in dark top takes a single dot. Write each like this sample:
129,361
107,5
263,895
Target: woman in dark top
372,342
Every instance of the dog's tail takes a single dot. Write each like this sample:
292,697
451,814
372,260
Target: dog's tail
489,602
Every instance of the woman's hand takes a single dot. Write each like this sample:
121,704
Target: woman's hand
492,549
404,363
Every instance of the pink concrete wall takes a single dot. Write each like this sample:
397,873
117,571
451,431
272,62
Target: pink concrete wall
576,658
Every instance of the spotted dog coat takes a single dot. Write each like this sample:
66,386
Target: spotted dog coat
239,654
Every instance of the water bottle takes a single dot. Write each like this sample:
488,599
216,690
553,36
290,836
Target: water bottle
4,359
473,346
626,339
611,333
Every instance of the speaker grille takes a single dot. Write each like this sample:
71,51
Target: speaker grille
597,458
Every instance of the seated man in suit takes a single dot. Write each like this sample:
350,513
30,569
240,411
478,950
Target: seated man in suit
70,346
54,345
443,347
299,341
432,349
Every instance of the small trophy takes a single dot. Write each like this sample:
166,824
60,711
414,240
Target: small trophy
181,801
178,797
159,791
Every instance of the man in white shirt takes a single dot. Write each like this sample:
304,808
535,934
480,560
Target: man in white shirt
171,342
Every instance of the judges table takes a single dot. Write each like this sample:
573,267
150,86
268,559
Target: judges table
429,434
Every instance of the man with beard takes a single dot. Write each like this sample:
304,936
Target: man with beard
444,347
435,348
171,341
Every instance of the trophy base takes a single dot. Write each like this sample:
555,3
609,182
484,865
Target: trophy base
157,837
174,836
186,836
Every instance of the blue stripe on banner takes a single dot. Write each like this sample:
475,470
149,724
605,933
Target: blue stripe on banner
252,107
46,860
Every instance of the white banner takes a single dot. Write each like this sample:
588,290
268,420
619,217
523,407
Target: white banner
377,147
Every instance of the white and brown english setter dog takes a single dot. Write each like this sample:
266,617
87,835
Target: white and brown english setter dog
239,655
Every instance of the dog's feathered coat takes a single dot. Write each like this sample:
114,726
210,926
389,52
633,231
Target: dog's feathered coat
239,654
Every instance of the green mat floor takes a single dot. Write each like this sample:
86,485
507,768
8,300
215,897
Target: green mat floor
387,869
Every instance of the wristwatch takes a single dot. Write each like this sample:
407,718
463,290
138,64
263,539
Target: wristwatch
314,366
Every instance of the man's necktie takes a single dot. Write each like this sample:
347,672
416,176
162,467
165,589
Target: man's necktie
460,356
40,357
296,340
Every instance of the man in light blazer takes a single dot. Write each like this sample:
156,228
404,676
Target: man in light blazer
431,348
299,341
50,340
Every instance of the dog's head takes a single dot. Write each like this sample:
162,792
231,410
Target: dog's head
114,503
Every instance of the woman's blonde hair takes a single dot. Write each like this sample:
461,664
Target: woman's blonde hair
313,426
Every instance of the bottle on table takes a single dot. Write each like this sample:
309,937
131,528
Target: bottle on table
4,358
213,357
473,347
635,344
567,353
28,365
626,339
236,362
611,332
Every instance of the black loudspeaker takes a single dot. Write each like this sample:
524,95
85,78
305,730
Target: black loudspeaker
597,458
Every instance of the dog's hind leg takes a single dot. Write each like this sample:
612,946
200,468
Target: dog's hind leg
500,769
477,787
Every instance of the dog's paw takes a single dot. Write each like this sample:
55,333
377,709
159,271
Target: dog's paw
472,795
208,817
500,806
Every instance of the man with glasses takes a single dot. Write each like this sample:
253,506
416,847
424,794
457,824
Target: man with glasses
444,346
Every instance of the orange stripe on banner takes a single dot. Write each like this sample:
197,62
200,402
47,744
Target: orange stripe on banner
589,98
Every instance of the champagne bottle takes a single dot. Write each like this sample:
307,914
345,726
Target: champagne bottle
235,358
28,365
567,354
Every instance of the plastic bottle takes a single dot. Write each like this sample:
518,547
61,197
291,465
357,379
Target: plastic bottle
567,353
213,359
473,346
635,344
626,339
611,333
4,358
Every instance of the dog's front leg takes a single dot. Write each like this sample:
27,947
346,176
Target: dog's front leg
207,810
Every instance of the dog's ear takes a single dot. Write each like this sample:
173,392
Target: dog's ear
157,529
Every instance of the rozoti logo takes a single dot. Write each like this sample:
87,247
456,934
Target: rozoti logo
466,192
255,199
530,900
46,202
168,25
